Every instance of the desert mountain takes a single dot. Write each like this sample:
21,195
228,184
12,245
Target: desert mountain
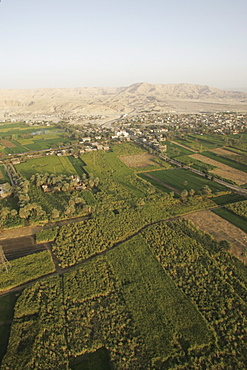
60,102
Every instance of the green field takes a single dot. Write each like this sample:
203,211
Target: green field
181,179
26,268
174,150
78,164
226,161
154,300
25,138
227,198
51,164
232,218
3,175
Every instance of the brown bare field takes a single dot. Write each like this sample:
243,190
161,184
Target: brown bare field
220,229
138,160
1,175
223,170
223,152
7,144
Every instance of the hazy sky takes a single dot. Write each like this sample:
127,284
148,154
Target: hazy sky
76,43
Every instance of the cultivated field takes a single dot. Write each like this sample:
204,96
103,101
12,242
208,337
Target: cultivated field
7,144
138,160
223,152
49,164
220,229
181,179
223,170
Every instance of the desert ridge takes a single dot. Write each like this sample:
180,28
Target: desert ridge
174,98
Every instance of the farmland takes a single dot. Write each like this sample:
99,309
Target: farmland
26,268
181,179
135,285
20,137
49,164
104,303
223,170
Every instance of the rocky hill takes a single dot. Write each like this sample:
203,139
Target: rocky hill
60,102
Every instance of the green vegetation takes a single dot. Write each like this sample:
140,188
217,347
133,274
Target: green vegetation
182,179
78,164
224,160
174,150
214,281
221,200
98,360
23,138
46,235
7,304
240,208
138,292
127,149
163,299
51,164
3,176
201,142
26,268
153,299
232,218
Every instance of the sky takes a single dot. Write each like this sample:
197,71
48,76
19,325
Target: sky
83,43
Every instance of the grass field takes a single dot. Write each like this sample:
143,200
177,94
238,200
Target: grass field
154,300
181,179
48,164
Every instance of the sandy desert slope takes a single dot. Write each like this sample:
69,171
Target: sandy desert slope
179,98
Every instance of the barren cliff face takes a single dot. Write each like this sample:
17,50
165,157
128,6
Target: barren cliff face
180,98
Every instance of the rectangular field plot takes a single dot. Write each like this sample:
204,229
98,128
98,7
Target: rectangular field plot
181,179
159,308
26,268
225,161
174,150
47,164
233,218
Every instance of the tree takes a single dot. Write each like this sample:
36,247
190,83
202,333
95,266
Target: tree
184,195
206,190
192,192
54,213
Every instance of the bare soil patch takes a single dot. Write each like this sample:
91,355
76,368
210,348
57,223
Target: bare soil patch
7,144
138,160
223,152
1,175
20,247
223,170
220,229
